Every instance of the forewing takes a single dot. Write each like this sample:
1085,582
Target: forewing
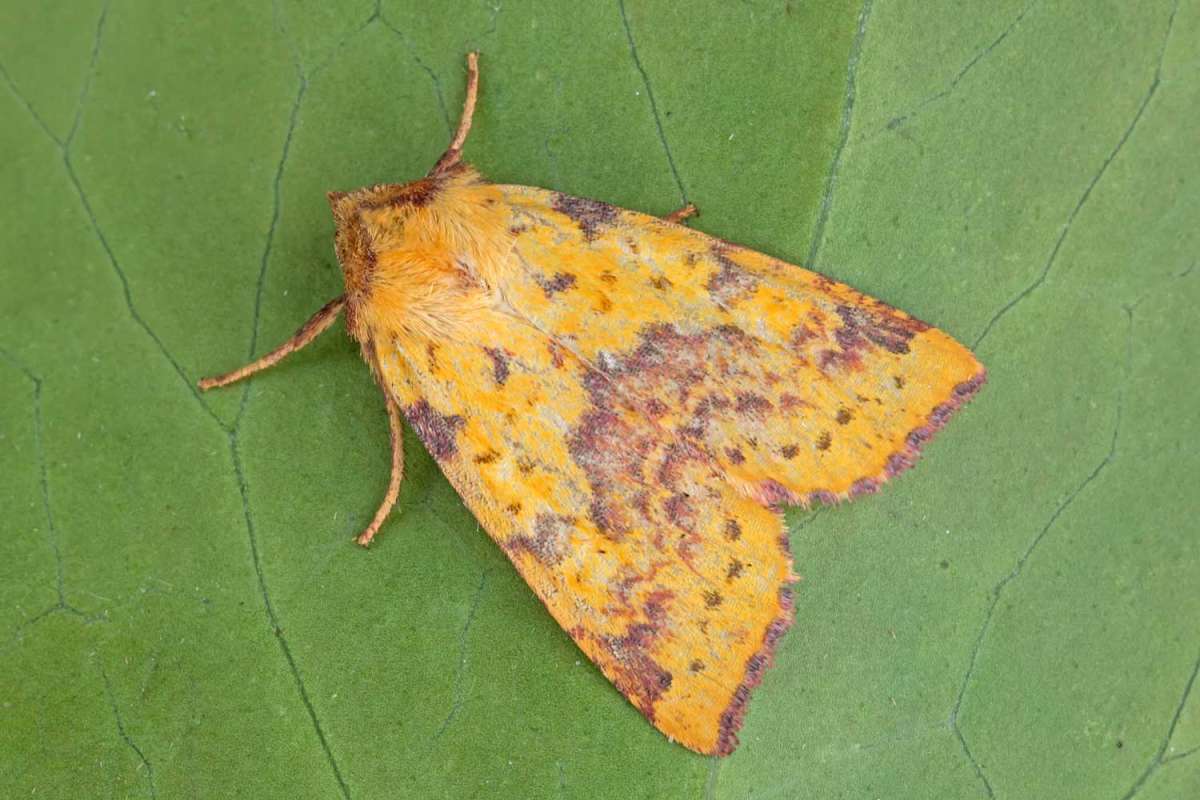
628,410
667,576
799,387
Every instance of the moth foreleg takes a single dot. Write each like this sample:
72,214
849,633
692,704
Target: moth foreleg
679,215
317,324
393,490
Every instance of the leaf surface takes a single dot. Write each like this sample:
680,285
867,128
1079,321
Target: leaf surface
183,612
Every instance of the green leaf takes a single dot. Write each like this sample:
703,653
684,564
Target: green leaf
183,612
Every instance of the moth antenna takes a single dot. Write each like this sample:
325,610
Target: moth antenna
454,152
317,324
393,490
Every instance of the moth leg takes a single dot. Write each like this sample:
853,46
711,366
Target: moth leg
681,214
317,324
393,490
454,151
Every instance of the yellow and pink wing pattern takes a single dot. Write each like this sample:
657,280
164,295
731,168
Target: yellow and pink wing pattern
801,387
628,416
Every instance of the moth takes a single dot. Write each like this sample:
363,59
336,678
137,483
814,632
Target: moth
625,404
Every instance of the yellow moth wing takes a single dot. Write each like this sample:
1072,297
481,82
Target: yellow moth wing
803,387
678,614
623,403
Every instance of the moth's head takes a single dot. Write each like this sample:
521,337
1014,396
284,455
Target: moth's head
396,241
353,244
367,216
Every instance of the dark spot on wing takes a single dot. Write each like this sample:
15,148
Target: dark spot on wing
556,354
561,282
438,431
731,282
772,493
655,407
642,679
751,403
790,402
873,323
733,529
589,215
486,458
681,511
500,367
548,544
609,518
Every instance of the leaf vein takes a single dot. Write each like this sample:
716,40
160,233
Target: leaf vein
818,237
662,135
1087,192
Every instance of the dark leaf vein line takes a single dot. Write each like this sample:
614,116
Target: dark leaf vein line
127,292
23,100
1019,566
433,78
1184,754
125,737
662,135
334,51
818,237
260,284
233,434
64,148
43,477
273,618
1159,759
458,691
86,89
52,535
896,122
1087,192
